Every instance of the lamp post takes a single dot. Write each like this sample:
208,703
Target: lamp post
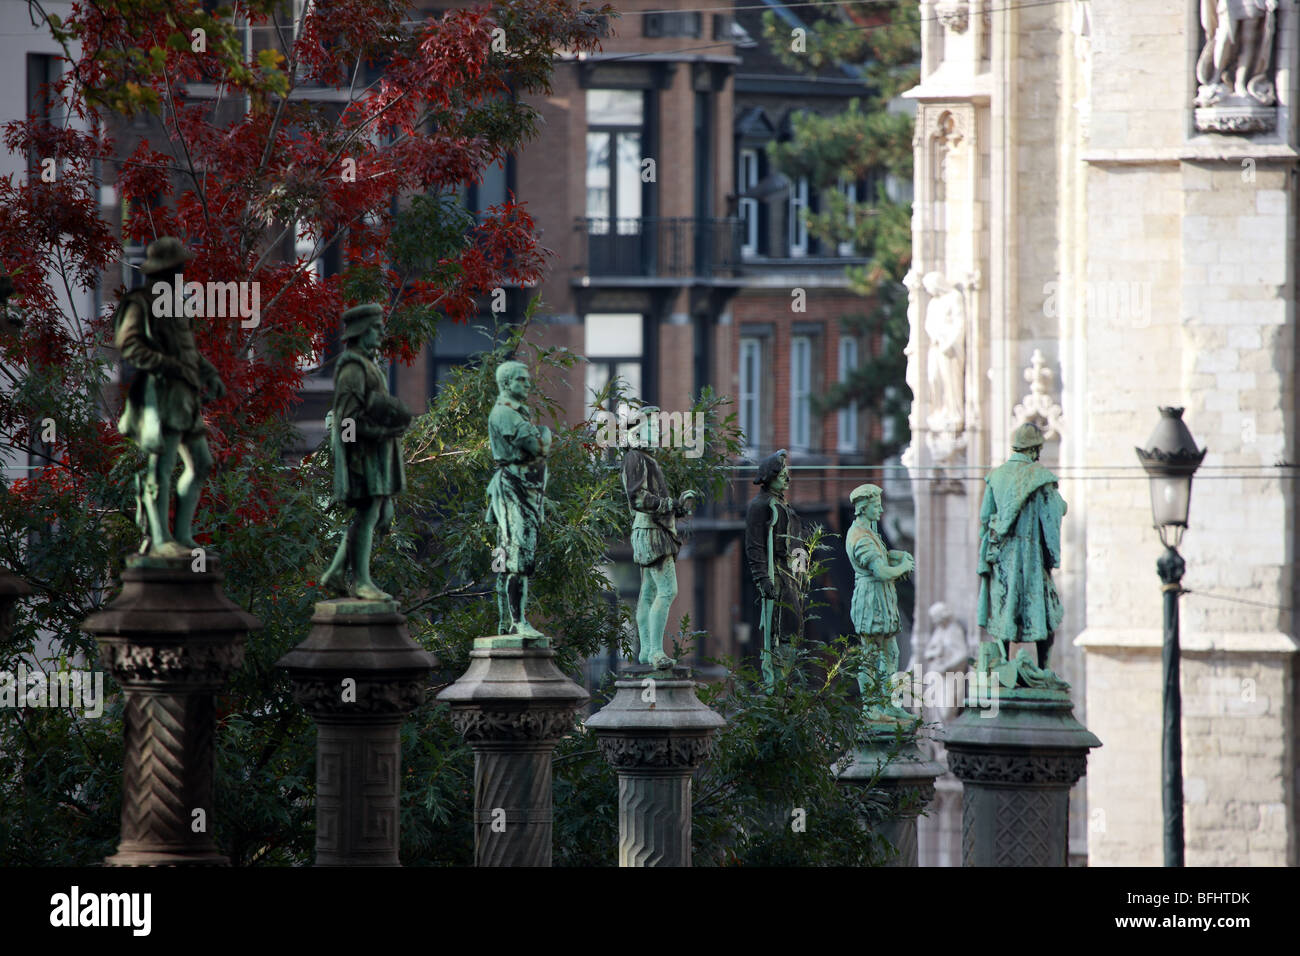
1170,460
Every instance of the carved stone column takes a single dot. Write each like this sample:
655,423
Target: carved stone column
1016,769
512,705
908,778
171,639
655,733
358,674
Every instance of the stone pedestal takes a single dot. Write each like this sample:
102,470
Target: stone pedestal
908,779
1016,769
512,705
171,639
655,733
12,587
358,674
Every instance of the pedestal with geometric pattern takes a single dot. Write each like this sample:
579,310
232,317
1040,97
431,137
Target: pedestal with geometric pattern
887,758
358,674
512,705
655,733
171,639
1016,769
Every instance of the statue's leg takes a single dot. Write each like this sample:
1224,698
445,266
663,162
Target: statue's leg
664,573
197,460
367,518
332,579
503,604
158,492
765,658
643,603
1246,50
1044,648
515,602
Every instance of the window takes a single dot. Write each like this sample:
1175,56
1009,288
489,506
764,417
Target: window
798,237
747,178
614,132
801,392
847,439
751,397
613,344
43,70
849,190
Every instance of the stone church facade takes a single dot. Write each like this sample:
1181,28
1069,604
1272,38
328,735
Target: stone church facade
1104,223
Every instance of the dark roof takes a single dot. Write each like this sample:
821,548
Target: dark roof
761,60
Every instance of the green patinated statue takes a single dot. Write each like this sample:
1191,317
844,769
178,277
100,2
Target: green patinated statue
163,415
875,599
773,550
1020,544
654,538
366,428
516,493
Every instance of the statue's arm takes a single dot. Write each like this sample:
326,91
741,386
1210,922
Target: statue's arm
350,402
636,477
130,341
757,518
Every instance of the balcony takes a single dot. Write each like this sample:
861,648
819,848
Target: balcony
660,247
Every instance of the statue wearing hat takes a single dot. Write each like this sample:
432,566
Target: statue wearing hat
773,545
655,542
163,414
366,428
1020,544
516,493
874,609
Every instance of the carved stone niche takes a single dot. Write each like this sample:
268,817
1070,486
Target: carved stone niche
953,14
1235,72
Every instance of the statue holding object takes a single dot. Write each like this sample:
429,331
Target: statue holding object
655,541
875,600
163,411
366,428
516,493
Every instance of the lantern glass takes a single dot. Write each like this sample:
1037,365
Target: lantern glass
1171,499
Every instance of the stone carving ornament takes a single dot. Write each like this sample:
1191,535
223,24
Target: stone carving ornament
631,752
476,724
1037,406
1235,69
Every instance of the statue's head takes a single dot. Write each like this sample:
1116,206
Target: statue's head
867,502
513,380
647,429
940,613
1027,439
164,257
934,283
773,472
363,325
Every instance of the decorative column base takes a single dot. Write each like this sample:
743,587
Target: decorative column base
171,639
655,733
1016,769
908,778
358,674
512,705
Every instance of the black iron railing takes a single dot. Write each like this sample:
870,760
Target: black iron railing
660,247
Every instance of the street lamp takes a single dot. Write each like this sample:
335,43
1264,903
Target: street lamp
1170,460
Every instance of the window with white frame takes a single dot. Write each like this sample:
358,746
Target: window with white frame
614,348
801,392
849,190
847,439
751,395
797,217
746,179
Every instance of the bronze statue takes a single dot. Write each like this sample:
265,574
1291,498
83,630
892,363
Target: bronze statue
366,428
773,544
654,538
1020,544
516,493
163,413
875,598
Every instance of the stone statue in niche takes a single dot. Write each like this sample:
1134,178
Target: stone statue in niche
945,325
944,652
912,282
1234,71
